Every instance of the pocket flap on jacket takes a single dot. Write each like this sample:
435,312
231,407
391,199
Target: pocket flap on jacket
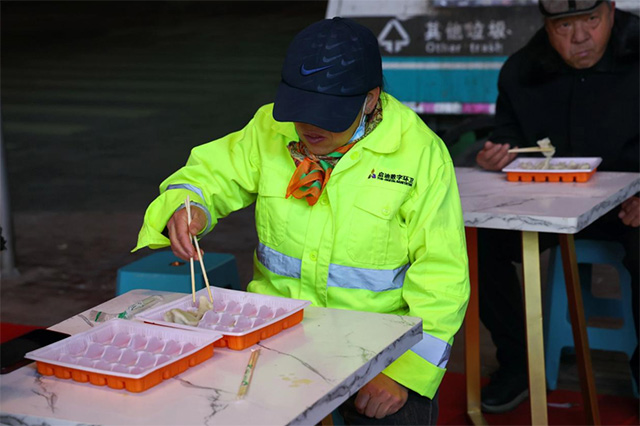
381,202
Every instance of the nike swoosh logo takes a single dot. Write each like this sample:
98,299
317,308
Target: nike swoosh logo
323,88
331,59
333,46
335,74
345,63
306,72
346,90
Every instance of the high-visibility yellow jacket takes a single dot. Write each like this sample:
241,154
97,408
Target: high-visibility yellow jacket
386,235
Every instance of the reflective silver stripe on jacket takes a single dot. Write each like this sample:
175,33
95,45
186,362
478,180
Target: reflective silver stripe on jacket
279,263
187,187
366,279
193,203
432,349
339,275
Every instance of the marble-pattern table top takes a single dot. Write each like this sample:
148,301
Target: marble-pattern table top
303,374
490,201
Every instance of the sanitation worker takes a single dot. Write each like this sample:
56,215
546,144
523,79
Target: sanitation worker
357,207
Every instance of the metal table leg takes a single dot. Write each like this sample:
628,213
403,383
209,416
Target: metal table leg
533,320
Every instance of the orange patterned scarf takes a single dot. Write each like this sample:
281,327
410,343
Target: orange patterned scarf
313,171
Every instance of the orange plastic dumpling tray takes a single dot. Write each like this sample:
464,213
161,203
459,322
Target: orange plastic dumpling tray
561,169
241,317
124,354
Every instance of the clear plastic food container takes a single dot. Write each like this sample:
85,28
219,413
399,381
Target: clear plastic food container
561,169
124,355
242,318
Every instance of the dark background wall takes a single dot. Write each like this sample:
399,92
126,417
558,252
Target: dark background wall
101,101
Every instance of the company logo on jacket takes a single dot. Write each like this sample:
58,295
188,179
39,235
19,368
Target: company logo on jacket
391,177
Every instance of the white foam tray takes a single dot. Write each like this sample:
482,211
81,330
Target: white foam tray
123,348
514,166
235,313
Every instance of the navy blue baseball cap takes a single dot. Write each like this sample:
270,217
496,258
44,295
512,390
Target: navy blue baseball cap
328,70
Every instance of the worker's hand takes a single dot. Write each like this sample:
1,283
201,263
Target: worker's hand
494,156
180,233
630,212
381,397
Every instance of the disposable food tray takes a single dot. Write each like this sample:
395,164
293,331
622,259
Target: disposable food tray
242,318
124,355
516,170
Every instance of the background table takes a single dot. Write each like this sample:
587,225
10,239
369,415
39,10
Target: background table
490,201
302,375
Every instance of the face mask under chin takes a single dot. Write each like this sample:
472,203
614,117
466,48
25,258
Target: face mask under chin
361,126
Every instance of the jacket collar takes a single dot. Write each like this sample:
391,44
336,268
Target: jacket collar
288,130
378,140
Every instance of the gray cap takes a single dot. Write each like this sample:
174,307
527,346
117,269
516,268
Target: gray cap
561,8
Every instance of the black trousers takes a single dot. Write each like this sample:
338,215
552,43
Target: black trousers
500,294
418,410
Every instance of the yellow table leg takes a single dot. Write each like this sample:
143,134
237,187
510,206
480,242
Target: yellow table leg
533,320
579,328
327,421
472,334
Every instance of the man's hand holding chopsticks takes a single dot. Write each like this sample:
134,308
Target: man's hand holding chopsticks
180,232
494,156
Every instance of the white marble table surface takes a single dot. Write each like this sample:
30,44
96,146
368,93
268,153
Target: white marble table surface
303,374
490,201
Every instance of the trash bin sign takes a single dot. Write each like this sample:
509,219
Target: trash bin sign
448,61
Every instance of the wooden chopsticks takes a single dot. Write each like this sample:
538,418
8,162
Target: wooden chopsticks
248,373
187,205
530,149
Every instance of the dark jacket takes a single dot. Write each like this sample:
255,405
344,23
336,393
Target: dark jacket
586,113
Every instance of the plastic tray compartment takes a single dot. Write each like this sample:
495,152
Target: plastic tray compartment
124,355
242,318
517,170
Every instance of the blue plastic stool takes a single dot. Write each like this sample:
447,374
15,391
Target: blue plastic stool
557,324
164,271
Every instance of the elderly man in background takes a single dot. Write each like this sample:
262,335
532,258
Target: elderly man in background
575,82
